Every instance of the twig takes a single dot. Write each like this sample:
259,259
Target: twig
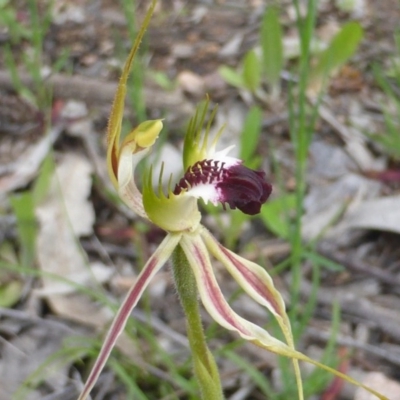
95,91
359,266
387,320
380,352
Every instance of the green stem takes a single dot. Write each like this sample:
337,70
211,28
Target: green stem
302,132
205,367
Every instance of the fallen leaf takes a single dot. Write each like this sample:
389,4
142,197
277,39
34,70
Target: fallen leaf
381,214
191,83
22,170
335,190
25,354
64,215
382,384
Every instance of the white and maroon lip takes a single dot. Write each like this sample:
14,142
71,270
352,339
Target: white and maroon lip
226,181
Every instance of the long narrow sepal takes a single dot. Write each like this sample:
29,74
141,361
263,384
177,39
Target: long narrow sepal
117,110
157,260
204,365
253,279
217,306
302,357
257,283
212,297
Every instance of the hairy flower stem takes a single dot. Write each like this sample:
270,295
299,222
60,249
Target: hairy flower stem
204,365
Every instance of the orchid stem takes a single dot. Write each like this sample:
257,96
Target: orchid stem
204,365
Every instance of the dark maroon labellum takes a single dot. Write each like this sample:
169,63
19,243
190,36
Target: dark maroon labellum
237,185
244,189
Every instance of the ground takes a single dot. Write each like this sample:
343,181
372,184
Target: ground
59,214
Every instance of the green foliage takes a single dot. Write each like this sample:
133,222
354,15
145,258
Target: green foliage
255,69
389,80
339,50
53,363
33,34
20,88
276,214
249,75
272,47
8,20
250,135
10,291
251,71
136,81
162,80
231,76
389,140
23,207
318,380
253,372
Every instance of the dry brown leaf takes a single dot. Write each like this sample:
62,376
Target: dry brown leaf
334,188
382,214
191,83
64,215
22,170
25,354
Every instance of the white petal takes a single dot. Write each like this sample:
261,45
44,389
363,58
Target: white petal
127,188
206,191
220,153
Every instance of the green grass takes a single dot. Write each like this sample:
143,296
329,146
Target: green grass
283,215
388,79
135,84
29,36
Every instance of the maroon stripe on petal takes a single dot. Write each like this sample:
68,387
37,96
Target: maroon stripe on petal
214,293
258,285
119,322
157,260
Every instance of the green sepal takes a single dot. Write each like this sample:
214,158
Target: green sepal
173,213
196,146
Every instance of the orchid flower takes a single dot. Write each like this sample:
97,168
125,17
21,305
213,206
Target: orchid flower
215,177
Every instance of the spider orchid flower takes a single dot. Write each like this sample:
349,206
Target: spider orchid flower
215,177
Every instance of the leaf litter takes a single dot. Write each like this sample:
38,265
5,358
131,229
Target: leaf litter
352,212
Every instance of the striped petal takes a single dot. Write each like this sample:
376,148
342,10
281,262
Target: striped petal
256,282
215,303
219,309
253,279
157,260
